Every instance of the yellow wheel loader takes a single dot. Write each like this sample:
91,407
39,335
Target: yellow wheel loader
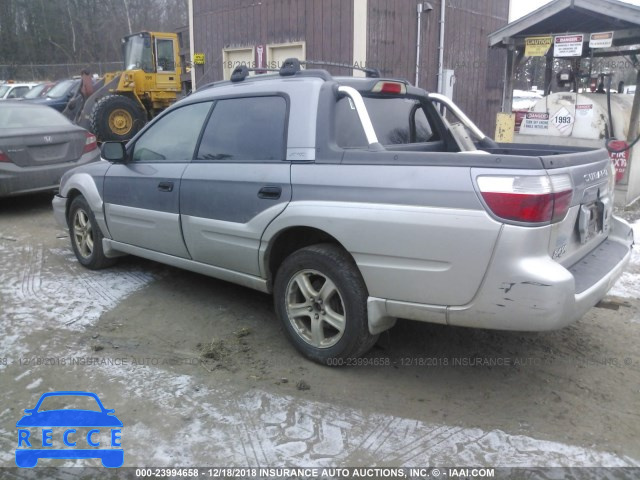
122,102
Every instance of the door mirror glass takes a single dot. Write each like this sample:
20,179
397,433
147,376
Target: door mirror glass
113,152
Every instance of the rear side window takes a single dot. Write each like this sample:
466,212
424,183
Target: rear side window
395,121
245,129
172,138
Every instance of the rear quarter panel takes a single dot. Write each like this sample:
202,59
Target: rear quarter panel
418,234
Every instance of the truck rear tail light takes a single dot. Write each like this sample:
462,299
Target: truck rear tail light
4,157
392,88
528,199
90,144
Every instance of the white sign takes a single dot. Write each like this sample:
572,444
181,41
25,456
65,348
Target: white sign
563,120
535,121
601,40
568,45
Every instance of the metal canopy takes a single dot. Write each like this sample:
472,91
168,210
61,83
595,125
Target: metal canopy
574,16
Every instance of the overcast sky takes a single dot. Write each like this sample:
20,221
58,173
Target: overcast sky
520,8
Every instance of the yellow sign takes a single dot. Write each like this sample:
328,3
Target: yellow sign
537,46
198,58
505,124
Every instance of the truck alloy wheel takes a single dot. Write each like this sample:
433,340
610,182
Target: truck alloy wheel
321,300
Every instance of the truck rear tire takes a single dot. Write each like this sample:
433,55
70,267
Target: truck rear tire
321,299
117,118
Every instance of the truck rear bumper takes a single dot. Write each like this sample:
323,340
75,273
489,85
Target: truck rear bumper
530,293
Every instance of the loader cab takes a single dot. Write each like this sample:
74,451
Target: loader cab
153,53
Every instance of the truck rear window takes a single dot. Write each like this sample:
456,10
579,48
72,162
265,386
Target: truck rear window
395,120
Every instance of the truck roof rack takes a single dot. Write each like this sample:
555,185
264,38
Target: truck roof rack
291,66
370,72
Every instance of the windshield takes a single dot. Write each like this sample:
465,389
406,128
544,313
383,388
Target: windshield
36,91
60,89
137,53
3,90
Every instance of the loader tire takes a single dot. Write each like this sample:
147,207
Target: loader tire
117,118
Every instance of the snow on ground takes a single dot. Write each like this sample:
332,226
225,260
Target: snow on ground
39,296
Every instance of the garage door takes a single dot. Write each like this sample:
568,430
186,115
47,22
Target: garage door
234,57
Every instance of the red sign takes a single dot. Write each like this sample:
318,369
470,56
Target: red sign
538,115
620,159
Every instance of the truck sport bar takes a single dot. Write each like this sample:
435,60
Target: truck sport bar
446,101
363,114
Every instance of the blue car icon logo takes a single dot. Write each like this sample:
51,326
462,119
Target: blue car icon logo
65,431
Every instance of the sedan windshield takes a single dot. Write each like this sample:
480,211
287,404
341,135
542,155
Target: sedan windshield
61,89
36,91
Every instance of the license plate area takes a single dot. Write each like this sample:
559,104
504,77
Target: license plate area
592,220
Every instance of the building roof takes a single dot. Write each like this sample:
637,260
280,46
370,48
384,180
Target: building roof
575,16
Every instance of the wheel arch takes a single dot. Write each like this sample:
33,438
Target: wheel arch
85,185
290,239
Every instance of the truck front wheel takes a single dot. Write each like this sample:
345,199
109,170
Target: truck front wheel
86,237
321,299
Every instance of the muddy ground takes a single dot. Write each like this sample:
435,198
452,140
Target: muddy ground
200,373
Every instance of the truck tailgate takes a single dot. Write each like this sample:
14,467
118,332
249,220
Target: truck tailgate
588,221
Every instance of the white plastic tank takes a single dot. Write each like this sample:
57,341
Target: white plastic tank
582,120
579,119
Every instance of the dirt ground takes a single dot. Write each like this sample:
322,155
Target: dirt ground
200,373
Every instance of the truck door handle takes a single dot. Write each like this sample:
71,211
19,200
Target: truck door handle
272,193
165,186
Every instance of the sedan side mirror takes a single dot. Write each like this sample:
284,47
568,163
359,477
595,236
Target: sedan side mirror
113,152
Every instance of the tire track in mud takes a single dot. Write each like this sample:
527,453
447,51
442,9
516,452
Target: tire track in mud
258,428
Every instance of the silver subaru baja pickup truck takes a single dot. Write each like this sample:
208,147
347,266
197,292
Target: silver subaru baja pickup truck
354,202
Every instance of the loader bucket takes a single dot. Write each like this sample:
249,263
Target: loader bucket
83,119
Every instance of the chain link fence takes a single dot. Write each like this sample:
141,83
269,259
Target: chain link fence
52,72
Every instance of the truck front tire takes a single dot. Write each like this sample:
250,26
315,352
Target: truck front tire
86,237
321,299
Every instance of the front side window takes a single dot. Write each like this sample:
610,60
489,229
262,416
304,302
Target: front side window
173,137
245,129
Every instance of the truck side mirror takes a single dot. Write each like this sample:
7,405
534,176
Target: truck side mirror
113,152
